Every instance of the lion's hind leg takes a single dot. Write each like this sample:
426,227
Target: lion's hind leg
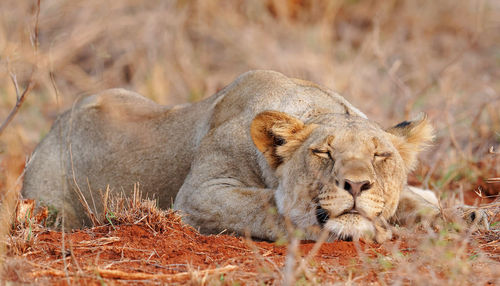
422,206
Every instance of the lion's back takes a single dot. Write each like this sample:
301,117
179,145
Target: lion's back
260,90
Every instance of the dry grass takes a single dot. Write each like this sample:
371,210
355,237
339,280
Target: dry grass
137,209
390,58
451,256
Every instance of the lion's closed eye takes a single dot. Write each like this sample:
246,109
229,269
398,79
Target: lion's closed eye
323,153
383,154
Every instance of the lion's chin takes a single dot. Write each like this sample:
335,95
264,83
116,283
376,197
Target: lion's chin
351,227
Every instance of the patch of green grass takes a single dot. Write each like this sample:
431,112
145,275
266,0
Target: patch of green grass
53,217
110,216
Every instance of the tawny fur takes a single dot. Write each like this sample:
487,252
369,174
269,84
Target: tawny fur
264,148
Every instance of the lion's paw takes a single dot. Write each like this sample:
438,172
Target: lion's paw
474,217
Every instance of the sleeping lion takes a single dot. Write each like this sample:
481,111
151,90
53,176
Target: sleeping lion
264,151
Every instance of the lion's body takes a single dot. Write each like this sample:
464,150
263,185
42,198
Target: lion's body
203,156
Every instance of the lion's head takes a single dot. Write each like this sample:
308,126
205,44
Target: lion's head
341,172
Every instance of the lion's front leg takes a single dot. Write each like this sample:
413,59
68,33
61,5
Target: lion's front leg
216,207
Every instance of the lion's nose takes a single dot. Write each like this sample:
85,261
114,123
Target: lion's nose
355,188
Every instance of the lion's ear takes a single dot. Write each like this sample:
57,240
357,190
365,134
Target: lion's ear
411,137
277,135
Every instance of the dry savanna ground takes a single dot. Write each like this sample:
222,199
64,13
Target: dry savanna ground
390,58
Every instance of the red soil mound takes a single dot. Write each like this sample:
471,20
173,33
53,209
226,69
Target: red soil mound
174,253
136,253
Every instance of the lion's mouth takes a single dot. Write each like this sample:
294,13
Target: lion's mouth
322,215
349,225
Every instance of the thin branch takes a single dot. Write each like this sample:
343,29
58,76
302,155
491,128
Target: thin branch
21,97
13,77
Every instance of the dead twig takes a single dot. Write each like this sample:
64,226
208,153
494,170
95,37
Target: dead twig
305,262
118,274
21,96
100,241
93,217
492,180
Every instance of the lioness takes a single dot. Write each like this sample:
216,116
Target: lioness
265,141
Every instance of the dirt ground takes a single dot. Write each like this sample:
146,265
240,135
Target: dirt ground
172,252
93,255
